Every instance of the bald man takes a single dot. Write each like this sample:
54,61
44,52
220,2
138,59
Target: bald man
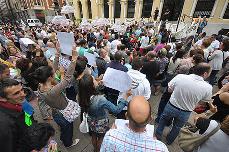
134,134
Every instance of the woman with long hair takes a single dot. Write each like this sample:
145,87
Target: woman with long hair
64,111
93,102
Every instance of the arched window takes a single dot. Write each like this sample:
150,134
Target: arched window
147,8
130,9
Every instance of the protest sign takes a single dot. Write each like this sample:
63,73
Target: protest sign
91,58
66,41
117,80
50,53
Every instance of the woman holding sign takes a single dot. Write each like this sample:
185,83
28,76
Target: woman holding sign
94,104
64,111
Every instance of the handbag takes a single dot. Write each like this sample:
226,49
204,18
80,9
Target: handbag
189,139
72,111
84,124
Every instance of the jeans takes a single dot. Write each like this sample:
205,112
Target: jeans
164,100
66,129
212,76
180,118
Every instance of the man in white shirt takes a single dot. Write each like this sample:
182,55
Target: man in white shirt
114,44
187,91
215,43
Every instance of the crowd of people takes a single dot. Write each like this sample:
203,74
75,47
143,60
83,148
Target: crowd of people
66,88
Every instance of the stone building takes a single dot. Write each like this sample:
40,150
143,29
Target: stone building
217,11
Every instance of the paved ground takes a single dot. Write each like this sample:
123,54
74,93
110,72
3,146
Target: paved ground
85,141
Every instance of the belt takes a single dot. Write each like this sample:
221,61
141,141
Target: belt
179,108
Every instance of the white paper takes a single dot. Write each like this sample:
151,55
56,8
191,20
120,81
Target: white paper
116,79
66,41
50,53
120,123
26,41
91,58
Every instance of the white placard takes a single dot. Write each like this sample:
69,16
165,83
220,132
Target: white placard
116,79
26,41
66,41
91,58
50,53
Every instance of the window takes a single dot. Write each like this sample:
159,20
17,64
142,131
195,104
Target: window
117,9
147,8
89,8
37,2
172,10
80,6
106,9
226,14
130,9
204,8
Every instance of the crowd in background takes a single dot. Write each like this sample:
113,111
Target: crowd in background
66,88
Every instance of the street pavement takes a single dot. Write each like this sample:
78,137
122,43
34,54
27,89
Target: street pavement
85,145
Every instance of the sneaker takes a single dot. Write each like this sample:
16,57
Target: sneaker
75,142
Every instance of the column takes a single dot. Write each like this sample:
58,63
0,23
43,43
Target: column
224,9
138,9
160,8
193,7
94,9
85,9
156,4
123,10
76,9
100,8
111,9
214,8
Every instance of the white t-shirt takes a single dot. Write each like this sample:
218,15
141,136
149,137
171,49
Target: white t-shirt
215,44
144,41
188,90
114,45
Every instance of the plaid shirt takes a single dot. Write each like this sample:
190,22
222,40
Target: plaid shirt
125,140
63,61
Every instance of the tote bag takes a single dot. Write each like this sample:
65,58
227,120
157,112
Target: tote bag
189,139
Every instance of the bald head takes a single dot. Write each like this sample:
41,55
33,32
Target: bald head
139,111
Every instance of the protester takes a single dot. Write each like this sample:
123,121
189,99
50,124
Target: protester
146,55
187,91
13,111
221,137
38,138
94,104
133,135
48,91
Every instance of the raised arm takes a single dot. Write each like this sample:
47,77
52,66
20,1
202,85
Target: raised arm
57,89
57,57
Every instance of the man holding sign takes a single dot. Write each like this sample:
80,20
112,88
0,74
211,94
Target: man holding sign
116,79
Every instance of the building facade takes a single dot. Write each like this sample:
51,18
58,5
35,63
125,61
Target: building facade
217,11
41,9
